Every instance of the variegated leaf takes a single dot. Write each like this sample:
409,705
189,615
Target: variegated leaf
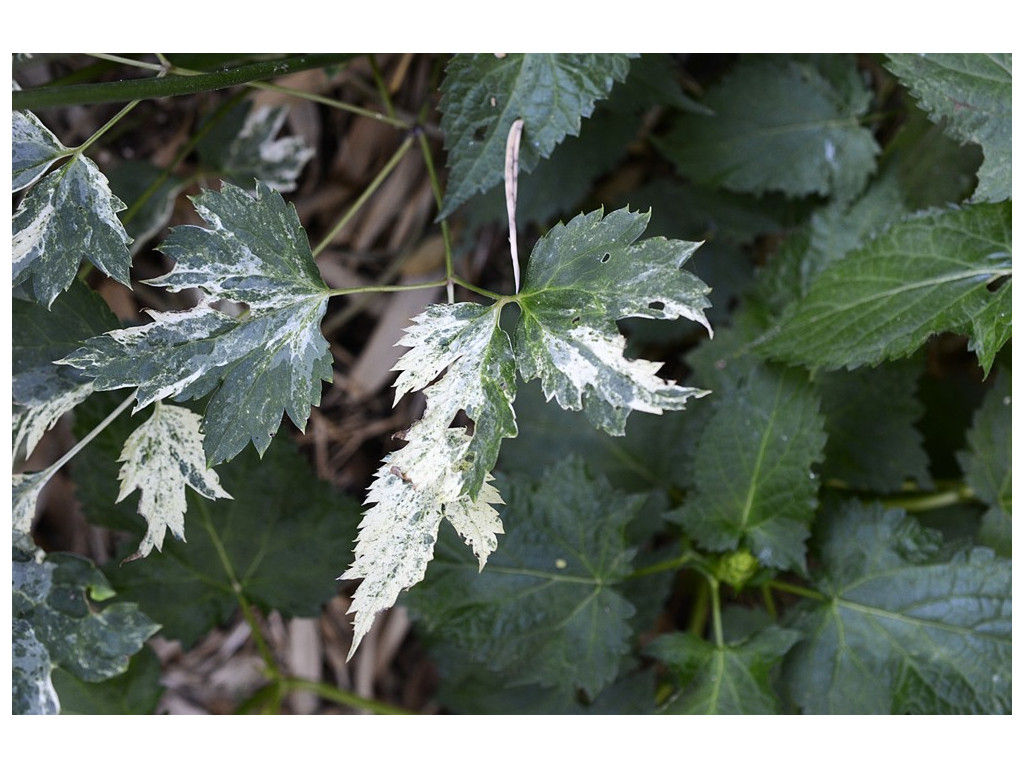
159,459
582,277
33,150
268,361
69,216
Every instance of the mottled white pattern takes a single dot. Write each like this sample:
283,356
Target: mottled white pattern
159,459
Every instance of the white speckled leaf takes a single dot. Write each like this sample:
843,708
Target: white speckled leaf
30,422
581,278
442,472
68,216
33,149
159,459
268,361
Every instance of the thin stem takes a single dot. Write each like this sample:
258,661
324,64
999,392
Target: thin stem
236,588
361,200
928,501
385,288
73,451
333,103
110,124
716,613
193,141
176,85
435,185
340,696
666,565
382,87
477,289
796,589
699,612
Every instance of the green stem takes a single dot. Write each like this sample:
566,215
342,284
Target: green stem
193,141
236,587
796,589
384,288
73,451
699,613
382,87
110,124
340,696
377,181
716,612
173,85
928,501
666,565
435,185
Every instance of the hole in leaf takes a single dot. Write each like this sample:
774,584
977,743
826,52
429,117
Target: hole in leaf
577,320
657,306
462,420
605,258
480,133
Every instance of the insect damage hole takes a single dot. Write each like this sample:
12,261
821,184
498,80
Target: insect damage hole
606,258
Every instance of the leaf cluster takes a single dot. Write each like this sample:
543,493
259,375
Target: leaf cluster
826,527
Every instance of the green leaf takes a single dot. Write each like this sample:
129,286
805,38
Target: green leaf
60,619
33,150
42,391
779,125
931,273
581,278
271,360
442,472
243,147
735,679
987,463
971,93
159,459
69,216
754,471
900,631
883,458
483,94
136,691
274,543
548,609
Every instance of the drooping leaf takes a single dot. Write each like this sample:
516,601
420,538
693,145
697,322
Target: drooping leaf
159,459
987,464
779,125
68,216
43,391
443,471
33,150
883,458
483,94
733,679
244,146
581,278
269,361
61,619
754,470
931,273
25,490
548,608
971,93
902,630
275,542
